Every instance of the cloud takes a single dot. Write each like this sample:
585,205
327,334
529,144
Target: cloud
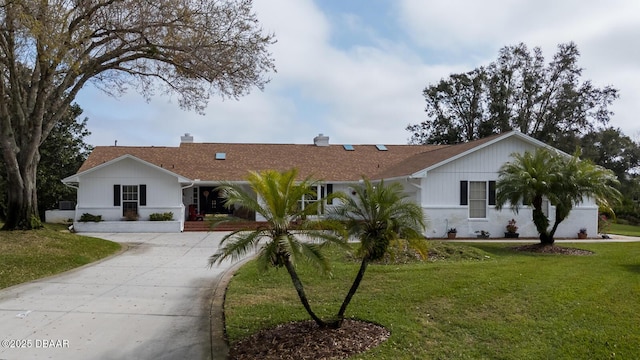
471,33
357,74
369,94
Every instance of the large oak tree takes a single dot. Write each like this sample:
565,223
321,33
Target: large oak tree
61,155
519,91
50,49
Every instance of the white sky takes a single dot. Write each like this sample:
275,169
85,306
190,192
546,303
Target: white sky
355,70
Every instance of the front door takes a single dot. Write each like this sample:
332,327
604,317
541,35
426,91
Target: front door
211,202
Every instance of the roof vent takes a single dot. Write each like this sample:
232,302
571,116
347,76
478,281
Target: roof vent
187,138
348,147
321,140
381,147
221,156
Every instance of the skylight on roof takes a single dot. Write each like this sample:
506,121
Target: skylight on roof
221,156
381,147
348,147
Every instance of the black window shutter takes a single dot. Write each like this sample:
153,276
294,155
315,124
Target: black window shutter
329,192
464,196
116,195
143,195
492,192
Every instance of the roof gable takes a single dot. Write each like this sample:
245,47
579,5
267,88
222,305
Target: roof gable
419,164
477,145
75,178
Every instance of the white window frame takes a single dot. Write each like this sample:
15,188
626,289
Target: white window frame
475,198
320,189
130,196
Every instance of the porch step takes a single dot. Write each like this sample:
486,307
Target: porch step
206,226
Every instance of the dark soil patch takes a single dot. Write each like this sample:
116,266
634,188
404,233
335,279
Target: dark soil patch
552,249
305,340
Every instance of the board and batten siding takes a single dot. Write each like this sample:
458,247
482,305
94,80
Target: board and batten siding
443,183
96,193
440,197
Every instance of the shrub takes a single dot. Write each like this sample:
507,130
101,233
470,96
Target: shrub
627,220
603,224
168,216
86,217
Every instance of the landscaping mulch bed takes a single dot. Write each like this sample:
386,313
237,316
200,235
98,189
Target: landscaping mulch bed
552,249
305,340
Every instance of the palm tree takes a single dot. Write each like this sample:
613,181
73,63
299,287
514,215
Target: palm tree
564,181
582,178
377,215
276,197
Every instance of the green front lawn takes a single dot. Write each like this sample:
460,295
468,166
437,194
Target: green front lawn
494,304
29,255
628,230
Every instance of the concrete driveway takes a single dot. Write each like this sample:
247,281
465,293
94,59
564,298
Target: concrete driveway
152,301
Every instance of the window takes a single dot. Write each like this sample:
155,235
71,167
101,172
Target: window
194,196
477,195
320,192
329,190
129,199
477,199
545,207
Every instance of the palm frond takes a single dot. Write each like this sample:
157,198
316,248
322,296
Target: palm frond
377,214
236,245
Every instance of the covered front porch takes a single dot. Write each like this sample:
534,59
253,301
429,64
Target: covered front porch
204,201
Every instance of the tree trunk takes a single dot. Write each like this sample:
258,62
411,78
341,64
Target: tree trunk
301,294
22,206
551,235
352,291
541,222
546,239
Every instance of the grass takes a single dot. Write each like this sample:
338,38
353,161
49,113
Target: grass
628,230
30,255
493,304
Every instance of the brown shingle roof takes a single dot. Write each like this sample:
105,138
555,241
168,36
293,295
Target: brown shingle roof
329,163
